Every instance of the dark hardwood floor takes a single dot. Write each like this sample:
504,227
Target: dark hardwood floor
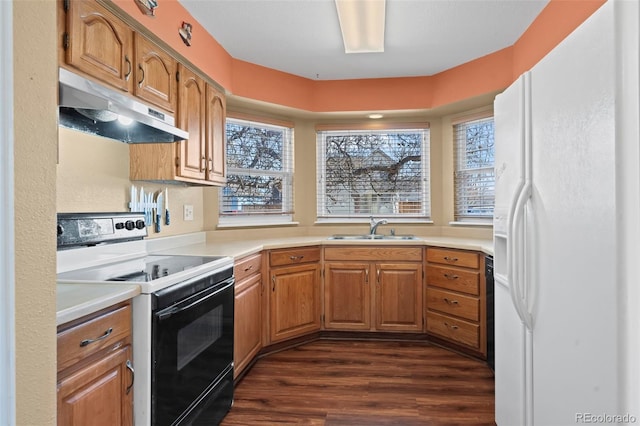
335,382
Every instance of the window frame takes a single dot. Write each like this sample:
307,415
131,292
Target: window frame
322,131
285,215
477,220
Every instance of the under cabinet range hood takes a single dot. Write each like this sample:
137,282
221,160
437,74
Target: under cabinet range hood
93,108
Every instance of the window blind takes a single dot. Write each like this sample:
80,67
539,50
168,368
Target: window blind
364,173
474,179
259,169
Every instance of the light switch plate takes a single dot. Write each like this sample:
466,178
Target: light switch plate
188,212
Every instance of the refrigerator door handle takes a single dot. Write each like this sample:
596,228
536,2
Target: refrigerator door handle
518,257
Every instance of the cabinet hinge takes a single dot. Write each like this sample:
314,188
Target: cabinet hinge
66,5
177,162
322,318
65,41
178,76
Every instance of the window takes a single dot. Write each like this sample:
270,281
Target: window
259,173
474,179
366,173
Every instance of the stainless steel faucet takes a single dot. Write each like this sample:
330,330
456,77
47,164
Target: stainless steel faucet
374,225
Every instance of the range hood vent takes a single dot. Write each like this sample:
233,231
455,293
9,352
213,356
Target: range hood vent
93,108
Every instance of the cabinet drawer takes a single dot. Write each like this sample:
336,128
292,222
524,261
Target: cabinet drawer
93,335
464,259
460,331
376,253
454,279
454,304
247,266
294,256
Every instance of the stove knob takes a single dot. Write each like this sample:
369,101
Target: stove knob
129,225
60,230
140,224
119,225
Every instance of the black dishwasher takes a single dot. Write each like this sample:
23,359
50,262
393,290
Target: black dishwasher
491,346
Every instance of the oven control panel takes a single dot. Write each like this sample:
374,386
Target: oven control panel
87,229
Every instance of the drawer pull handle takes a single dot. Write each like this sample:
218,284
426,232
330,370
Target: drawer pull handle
106,334
451,302
247,269
452,327
133,376
451,276
294,258
450,259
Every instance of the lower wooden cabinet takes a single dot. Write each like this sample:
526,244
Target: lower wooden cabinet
294,293
247,312
399,297
98,394
347,296
95,370
456,299
371,295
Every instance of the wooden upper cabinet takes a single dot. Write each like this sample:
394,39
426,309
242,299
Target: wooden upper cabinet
191,113
216,135
99,44
155,73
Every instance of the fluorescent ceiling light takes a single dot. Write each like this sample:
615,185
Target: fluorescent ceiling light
362,25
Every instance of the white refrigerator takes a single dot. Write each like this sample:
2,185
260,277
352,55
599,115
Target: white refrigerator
566,332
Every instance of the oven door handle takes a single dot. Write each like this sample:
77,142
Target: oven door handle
172,310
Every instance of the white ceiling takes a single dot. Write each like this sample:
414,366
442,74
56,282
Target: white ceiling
422,37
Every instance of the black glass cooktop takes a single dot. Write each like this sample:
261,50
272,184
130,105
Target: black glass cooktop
143,270
162,266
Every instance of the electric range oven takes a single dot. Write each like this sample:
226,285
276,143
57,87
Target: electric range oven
182,320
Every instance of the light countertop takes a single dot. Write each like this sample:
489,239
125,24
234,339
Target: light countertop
239,249
77,300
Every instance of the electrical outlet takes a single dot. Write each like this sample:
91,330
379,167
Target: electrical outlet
188,212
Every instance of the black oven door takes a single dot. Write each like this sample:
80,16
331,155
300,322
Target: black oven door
192,354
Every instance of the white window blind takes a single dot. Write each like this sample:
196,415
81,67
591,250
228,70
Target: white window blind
474,178
259,170
364,173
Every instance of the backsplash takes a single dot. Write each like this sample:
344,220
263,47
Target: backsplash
93,176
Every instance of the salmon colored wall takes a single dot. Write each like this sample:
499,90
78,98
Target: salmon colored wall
205,52
269,85
477,77
483,75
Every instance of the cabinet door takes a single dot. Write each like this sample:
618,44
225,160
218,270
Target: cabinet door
216,136
100,394
294,301
100,45
191,107
155,73
347,296
399,296
247,322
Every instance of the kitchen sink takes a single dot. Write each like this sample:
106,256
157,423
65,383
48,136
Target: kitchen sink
375,237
